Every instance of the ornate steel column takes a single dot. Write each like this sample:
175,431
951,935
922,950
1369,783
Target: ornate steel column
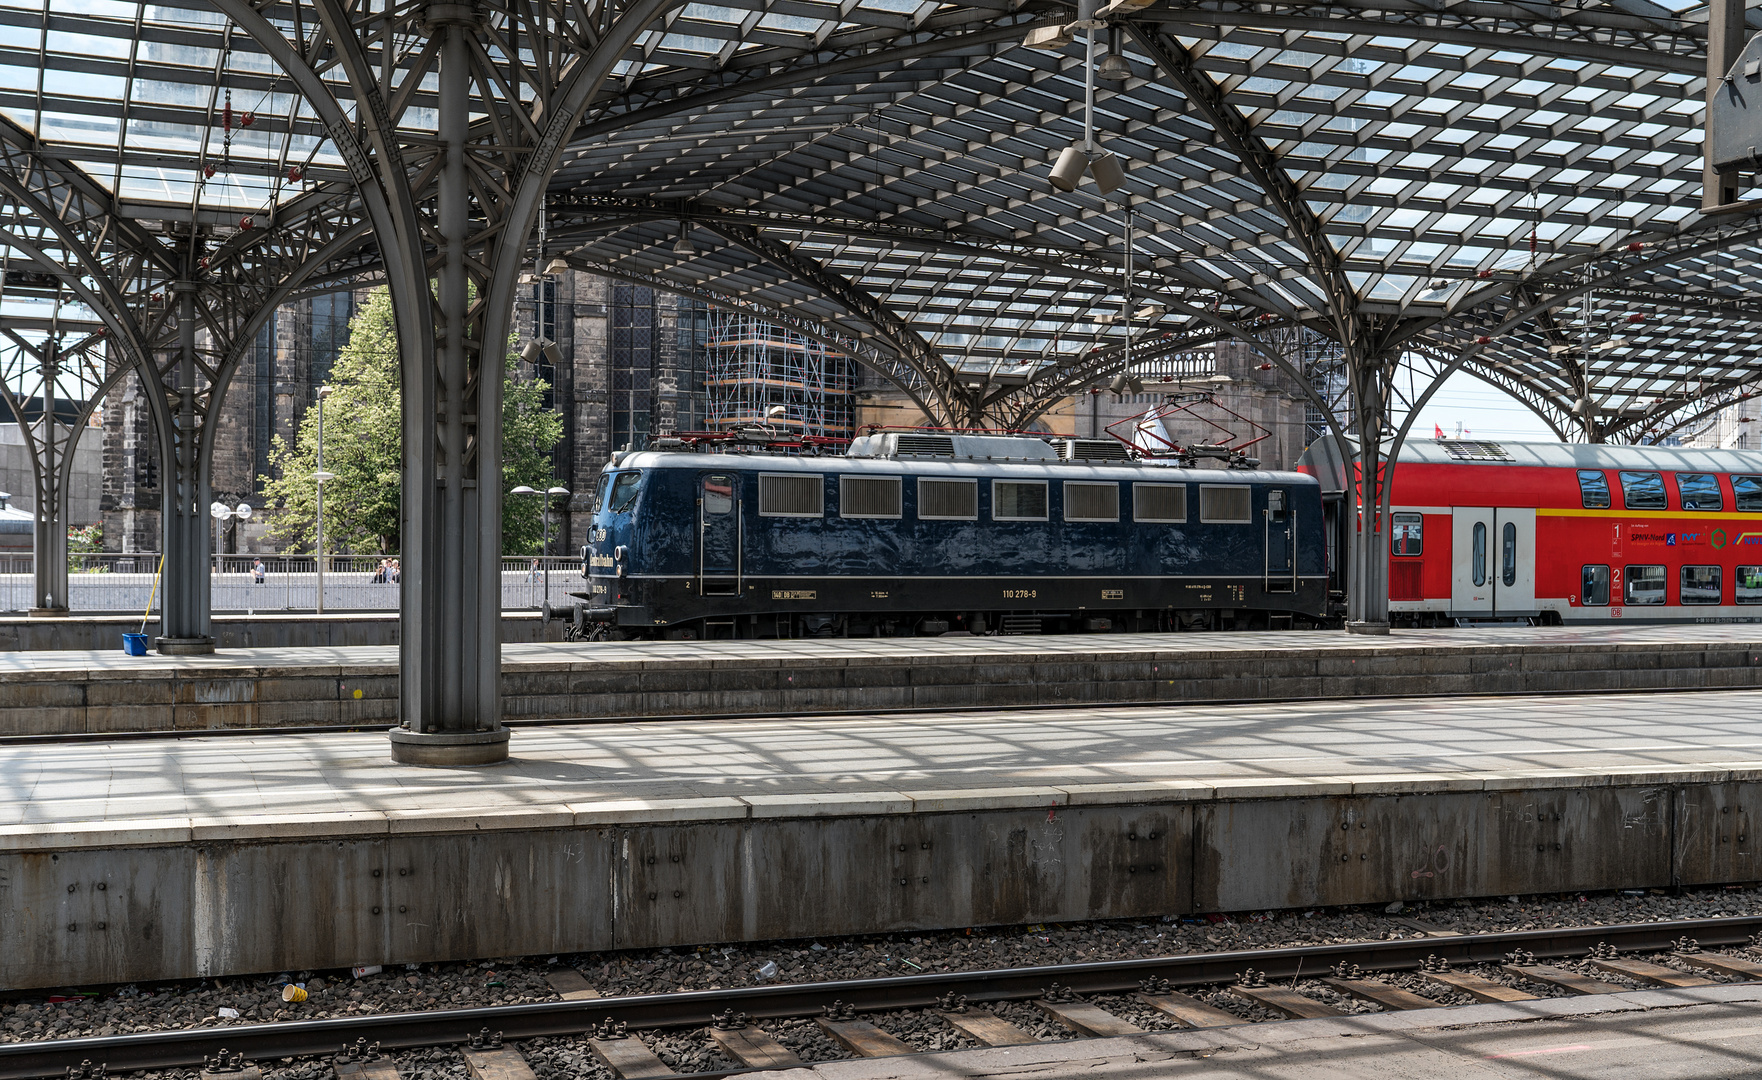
185,624
49,542
458,569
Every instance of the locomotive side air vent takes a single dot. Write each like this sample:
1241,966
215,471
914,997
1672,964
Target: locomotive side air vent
923,446
1474,450
1092,450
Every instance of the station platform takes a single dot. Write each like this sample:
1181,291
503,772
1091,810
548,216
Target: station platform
1700,1033
263,630
83,692
208,856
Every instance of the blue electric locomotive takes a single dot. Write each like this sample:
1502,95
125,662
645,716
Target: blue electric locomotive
922,533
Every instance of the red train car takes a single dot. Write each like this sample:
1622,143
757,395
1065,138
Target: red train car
1572,533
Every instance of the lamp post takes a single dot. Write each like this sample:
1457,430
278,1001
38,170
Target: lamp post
544,549
221,512
321,476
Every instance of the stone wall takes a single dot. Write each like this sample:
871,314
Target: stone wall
85,490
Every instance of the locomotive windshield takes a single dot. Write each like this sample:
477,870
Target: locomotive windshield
624,489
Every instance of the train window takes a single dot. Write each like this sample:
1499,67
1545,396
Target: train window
1594,586
1643,584
792,495
1220,505
1699,491
718,494
1477,558
1642,491
1747,584
948,500
1748,489
624,489
1407,537
1088,501
1593,489
1159,502
1701,585
868,497
1018,500
1508,554
599,494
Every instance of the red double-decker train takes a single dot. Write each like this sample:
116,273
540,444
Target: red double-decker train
1570,533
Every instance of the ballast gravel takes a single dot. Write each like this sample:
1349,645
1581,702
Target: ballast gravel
153,1006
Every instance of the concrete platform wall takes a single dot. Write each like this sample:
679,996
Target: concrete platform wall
162,694
117,902
103,633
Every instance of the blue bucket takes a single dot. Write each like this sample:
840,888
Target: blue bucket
134,644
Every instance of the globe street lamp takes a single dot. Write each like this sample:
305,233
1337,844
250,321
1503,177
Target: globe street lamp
321,476
221,512
544,549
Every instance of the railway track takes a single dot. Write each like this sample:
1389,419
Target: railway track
734,1017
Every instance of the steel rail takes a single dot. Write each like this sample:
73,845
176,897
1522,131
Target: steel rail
43,1059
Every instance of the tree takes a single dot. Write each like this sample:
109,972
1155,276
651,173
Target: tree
363,450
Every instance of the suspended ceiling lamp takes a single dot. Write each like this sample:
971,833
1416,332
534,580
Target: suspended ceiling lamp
1067,171
1113,66
682,246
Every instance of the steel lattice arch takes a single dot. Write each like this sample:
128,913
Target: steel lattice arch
1514,191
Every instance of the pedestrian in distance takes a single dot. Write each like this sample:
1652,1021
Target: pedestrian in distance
258,571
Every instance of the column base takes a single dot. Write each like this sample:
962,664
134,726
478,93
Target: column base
1381,628
47,613
183,646
449,749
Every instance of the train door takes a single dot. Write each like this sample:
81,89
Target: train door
1471,575
1515,589
1279,535
718,544
1494,563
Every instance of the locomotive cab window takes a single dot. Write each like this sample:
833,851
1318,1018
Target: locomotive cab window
1089,501
948,500
791,495
1018,500
624,489
1159,502
718,493
1747,584
1594,586
1593,489
599,494
1643,491
1407,536
1643,585
868,497
1701,585
1699,491
1219,505
1748,490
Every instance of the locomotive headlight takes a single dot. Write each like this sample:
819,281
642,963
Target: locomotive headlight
618,556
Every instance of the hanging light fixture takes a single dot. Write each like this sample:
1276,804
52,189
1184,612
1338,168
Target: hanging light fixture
1067,171
682,246
1113,66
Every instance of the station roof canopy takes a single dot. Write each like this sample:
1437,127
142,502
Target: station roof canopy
1513,186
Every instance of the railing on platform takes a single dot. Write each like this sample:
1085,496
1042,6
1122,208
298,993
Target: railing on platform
121,583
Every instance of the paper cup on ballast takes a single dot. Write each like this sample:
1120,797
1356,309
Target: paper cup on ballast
293,993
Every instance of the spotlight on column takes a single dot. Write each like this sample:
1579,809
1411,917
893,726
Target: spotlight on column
531,353
557,267
552,354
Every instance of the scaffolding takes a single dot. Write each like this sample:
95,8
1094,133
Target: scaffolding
764,375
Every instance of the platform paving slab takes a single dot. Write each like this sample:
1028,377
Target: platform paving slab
1639,1035
98,692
